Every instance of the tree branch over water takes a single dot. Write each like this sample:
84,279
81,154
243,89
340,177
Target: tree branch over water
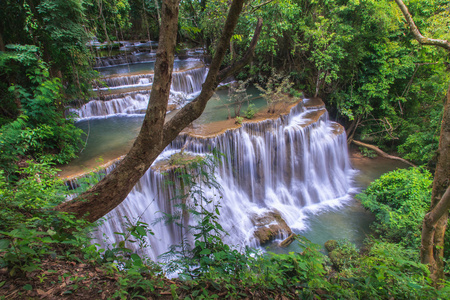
382,153
155,133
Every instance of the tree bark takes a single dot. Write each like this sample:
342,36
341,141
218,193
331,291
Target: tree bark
2,44
155,135
432,244
432,247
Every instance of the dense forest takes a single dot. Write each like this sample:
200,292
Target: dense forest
381,69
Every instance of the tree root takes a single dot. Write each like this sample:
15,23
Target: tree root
382,153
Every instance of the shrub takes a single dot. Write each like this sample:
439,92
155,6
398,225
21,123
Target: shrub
399,200
387,271
251,111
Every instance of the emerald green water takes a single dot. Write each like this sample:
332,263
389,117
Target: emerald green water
349,221
110,137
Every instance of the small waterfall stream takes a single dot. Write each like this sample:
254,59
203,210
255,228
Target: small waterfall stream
129,94
285,165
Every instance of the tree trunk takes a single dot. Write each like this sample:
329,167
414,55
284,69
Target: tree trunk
432,248
2,44
432,245
155,135
114,188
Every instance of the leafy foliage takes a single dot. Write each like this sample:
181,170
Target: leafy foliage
38,129
400,200
251,111
276,90
30,229
386,270
57,30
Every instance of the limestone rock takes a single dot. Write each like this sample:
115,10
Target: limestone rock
269,225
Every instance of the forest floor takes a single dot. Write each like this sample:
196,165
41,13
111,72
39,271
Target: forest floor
59,278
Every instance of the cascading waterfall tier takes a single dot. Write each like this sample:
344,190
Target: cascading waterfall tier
130,94
284,166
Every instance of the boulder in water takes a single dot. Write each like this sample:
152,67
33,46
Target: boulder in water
269,226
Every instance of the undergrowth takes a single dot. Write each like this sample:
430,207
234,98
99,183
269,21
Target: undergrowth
48,254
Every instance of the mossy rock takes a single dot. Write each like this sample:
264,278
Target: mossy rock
269,226
342,254
330,245
180,159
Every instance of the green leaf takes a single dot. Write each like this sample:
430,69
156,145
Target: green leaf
135,257
141,231
205,252
279,281
4,244
27,287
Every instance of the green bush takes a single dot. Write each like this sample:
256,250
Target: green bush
251,111
36,128
23,201
386,271
239,120
341,253
399,199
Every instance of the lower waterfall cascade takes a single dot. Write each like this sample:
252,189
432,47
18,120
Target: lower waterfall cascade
290,165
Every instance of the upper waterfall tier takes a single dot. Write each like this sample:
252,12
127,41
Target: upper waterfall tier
130,94
283,166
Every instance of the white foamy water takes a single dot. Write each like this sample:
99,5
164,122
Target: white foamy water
185,86
287,165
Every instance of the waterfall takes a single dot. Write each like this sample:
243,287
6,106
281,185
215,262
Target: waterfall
289,165
126,105
190,81
119,82
123,59
185,86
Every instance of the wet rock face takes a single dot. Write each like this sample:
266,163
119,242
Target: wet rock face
269,226
171,107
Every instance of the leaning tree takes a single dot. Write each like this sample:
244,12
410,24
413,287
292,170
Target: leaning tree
156,133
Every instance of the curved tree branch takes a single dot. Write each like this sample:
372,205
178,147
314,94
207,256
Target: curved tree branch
194,109
382,153
435,222
442,207
415,31
430,221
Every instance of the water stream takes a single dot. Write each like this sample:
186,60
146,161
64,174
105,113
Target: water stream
287,165
297,165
